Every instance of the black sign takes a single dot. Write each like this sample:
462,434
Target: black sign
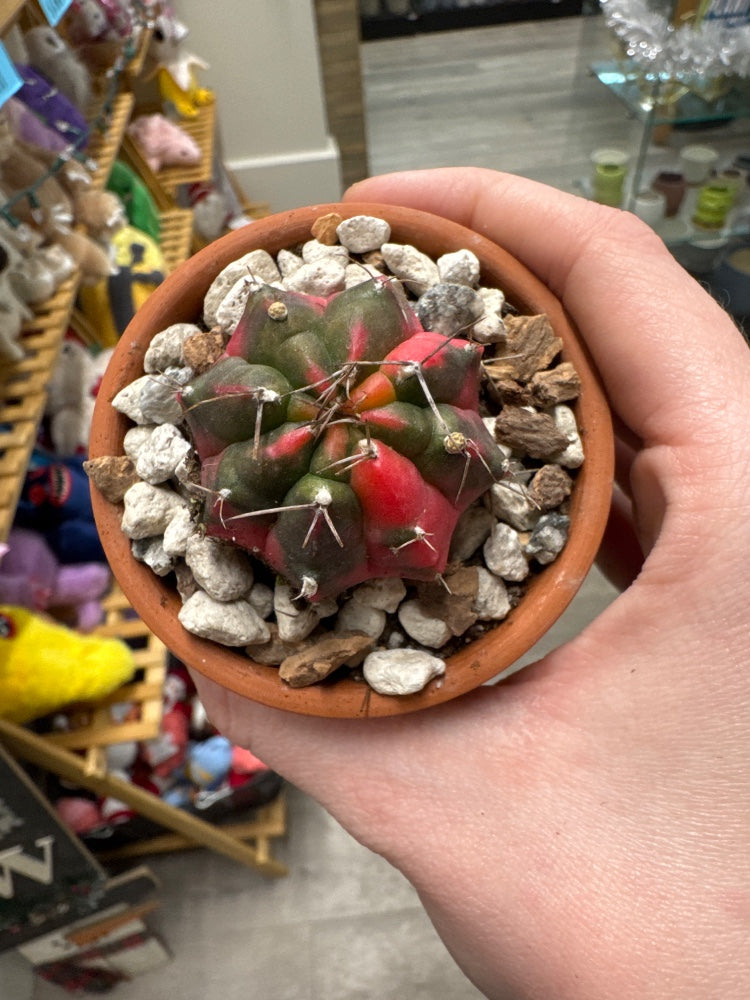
47,877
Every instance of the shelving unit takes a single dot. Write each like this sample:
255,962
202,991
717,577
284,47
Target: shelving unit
651,105
78,753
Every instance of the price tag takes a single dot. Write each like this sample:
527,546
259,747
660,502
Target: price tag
54,9
10,81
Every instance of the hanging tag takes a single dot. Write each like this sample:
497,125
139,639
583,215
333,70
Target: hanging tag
54,9
10,81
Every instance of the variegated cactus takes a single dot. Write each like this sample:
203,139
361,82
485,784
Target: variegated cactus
338,440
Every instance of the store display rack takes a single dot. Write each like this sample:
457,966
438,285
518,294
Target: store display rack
78,753
658,109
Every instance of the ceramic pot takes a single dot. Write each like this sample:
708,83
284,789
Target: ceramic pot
672,185
712,208
608,183
697,162
650,206
179,299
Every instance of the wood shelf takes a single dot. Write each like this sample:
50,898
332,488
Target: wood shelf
176,234
91,724
104,145
9,10
23,395
192,830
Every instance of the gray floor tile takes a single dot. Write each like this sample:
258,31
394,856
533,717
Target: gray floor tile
390,956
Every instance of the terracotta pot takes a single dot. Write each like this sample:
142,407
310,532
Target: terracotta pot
156,600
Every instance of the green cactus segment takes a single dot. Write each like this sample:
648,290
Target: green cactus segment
367,321
367,447
317,542
271,317
461,456
222,405
403,426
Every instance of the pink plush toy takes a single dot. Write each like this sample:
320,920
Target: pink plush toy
163,143
31,577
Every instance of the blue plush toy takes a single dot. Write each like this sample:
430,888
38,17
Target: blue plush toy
209,761
56,502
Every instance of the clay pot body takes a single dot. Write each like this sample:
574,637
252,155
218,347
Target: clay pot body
180,298
673,186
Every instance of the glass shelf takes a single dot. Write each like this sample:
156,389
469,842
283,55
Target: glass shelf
647,99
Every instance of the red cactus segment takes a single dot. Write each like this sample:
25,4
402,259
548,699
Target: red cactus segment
367,321
317,542
224,520
450,369
462,459
222,405
408,523
271,317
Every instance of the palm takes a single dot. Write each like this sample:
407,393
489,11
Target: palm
586,823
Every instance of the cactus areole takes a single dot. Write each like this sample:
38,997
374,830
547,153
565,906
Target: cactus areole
338,440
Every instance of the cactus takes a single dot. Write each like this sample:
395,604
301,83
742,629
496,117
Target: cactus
338,440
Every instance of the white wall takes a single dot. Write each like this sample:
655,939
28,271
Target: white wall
265,70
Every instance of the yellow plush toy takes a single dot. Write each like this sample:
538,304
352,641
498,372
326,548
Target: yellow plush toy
45,666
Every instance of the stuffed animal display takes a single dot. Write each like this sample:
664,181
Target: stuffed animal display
188,764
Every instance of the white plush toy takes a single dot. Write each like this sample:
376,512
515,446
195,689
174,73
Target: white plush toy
13,310
52,56
71,395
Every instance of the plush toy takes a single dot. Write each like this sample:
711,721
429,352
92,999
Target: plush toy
45,666
244,764
52,107
71,394
36,270
55,501
23,169
166,753
140,268
80,814
53,57
31,577
13,310
178,84
208,762
31,129
140,207
163,143
30,277
211,213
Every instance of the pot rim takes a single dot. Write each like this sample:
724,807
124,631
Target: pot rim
179,299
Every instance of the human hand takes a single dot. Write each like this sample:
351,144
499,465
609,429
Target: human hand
582,831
